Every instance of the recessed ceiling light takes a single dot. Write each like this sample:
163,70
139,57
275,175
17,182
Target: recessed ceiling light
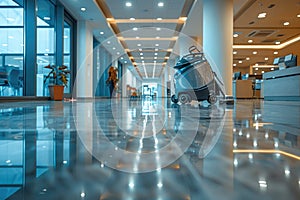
160,4
266,58
262,15
128,4
139,45
108,42
135,29
234,64
142,57
277,42
254,52
298,15
125,61
141,54
155,58
157,37
118,53
286,23
156,49
101,33
256,68
235,35
247,58
158,29
159,18
114,48
240,61
10,37
137,37
140,49
272,68
155,54
132,18
122,58
156,45
275,52
83,9
234,52
250,41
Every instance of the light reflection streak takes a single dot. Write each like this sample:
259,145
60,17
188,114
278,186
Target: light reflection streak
270,151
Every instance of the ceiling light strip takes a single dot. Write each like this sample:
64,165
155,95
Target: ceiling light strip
145,71
149,39
154,68
121,21
280,46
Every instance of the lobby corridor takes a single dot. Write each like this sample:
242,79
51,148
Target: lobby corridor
149,149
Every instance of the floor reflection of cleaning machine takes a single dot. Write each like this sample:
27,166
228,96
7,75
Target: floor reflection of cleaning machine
195,80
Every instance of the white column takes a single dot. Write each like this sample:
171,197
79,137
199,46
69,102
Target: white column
84,76
217,37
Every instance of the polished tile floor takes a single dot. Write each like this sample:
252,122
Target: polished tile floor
149,149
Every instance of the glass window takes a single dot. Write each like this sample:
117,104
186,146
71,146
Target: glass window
45,43
8,3
11,16
11,48
11,40
67,52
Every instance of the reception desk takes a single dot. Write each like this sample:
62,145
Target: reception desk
282,84
242,89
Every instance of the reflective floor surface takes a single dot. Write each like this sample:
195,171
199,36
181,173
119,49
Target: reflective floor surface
149,149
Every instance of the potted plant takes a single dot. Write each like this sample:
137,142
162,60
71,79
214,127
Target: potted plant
57,79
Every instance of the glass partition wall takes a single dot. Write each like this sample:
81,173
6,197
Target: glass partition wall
45,43
67,50
11,48
52,44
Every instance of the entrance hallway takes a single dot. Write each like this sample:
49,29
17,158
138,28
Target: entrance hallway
149,149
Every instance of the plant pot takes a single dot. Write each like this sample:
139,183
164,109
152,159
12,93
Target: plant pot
56,92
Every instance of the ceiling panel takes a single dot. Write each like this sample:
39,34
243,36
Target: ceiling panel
133,44
280,35
145,9
148,54
274,15
148,29
148,32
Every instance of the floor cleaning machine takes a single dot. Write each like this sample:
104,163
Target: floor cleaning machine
194,79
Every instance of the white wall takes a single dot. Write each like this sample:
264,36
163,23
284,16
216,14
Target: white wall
84,77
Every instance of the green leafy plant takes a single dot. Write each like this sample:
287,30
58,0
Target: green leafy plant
58,75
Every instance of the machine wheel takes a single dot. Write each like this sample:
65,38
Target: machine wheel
184,98
212,99
173,99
